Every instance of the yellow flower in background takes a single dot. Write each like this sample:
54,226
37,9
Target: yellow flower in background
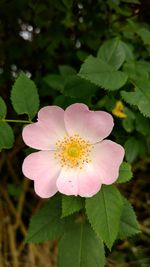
118,110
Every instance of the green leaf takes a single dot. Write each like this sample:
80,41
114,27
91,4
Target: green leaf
66,70
131,28
132,98
71,204
125,173
132,149
128,51
100,73
104,211
144,103
142,124
55,81
145,65
6,136
3,108
140,97
145,35
80,247
77,87
129,122
112,52
135,70
143,146
108,102
24,96
46,223
128,223
63,101
82,54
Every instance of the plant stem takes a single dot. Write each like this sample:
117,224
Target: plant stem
18,121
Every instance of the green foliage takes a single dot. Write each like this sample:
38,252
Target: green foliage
68,83
143,147
128,50
66,70
140,97
71,204
58,81
64,101
80,247
46,223
128,223
112,52
144,103
3,108
132,98
131,149
102,74
145,35
128,125
6,136
125,173
135,70
55,81
129,122
24,96
142,124
104,211
145,65
77,87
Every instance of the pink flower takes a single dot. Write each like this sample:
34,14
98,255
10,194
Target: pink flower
74,159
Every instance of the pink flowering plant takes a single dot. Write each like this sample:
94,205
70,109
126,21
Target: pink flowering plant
79,151
74,158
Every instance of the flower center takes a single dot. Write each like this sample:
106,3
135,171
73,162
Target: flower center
73,151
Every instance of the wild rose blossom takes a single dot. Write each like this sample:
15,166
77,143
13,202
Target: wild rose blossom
74,159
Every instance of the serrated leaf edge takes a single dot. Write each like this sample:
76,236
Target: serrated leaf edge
92,226
133,234
117,182
71,213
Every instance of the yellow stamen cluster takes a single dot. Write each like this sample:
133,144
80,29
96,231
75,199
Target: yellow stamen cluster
73,151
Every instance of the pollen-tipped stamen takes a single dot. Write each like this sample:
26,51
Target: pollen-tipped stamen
73,151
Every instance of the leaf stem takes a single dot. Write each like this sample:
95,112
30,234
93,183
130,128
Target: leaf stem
18,121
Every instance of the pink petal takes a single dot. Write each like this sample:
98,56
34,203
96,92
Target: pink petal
44,170
52,116
36,136
89,182
107,157
85,183
92,125
49,128
46,188
67,182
